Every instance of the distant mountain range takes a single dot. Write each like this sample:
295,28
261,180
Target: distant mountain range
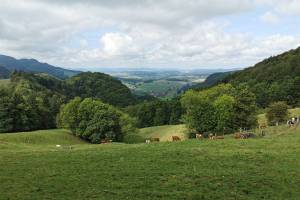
32,65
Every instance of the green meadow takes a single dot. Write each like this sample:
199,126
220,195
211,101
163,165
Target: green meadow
32,167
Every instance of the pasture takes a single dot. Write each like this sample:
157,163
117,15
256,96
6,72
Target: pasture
165,133
32,167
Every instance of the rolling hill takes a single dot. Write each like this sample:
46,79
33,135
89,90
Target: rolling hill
32,65
274,79
101,86
212,79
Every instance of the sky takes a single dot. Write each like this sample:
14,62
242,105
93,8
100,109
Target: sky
183,34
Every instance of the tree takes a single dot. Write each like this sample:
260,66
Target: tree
220,109
277,113
245,107
200,113
224,112
93,120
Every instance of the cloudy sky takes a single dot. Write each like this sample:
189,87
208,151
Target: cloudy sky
90,34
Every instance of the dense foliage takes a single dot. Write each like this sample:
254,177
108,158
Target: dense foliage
94,121
26,105
156,113
100,86
222,109
274,79
277,113
32,101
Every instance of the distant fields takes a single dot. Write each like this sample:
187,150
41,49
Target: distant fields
32,167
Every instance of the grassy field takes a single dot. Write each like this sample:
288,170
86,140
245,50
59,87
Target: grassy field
4,81
165,133
32,167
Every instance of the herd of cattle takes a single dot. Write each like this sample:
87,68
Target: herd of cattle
239,135
200,136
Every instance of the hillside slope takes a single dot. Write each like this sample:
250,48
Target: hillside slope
43,137
274,79
101,86
164,133
32,65
261,168
212,80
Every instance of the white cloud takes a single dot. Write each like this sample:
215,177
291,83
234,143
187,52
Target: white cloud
138,33
270,18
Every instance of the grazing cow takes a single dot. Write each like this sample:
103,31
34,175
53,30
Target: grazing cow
237,136
154,139
211,136
58,145
148,141
290,123
175,138
105,141
199,136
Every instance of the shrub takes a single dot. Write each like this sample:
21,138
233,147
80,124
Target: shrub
93,120
277,113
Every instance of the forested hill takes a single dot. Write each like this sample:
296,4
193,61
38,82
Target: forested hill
212,80
85,85
32,65
274,79
101,86
4,73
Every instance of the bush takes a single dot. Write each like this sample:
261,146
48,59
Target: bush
222,109
93,120
277,113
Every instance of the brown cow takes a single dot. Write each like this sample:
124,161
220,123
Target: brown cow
237,136
175,138
199,136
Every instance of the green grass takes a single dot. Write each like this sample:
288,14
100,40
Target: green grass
262,168
4,82
165,133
